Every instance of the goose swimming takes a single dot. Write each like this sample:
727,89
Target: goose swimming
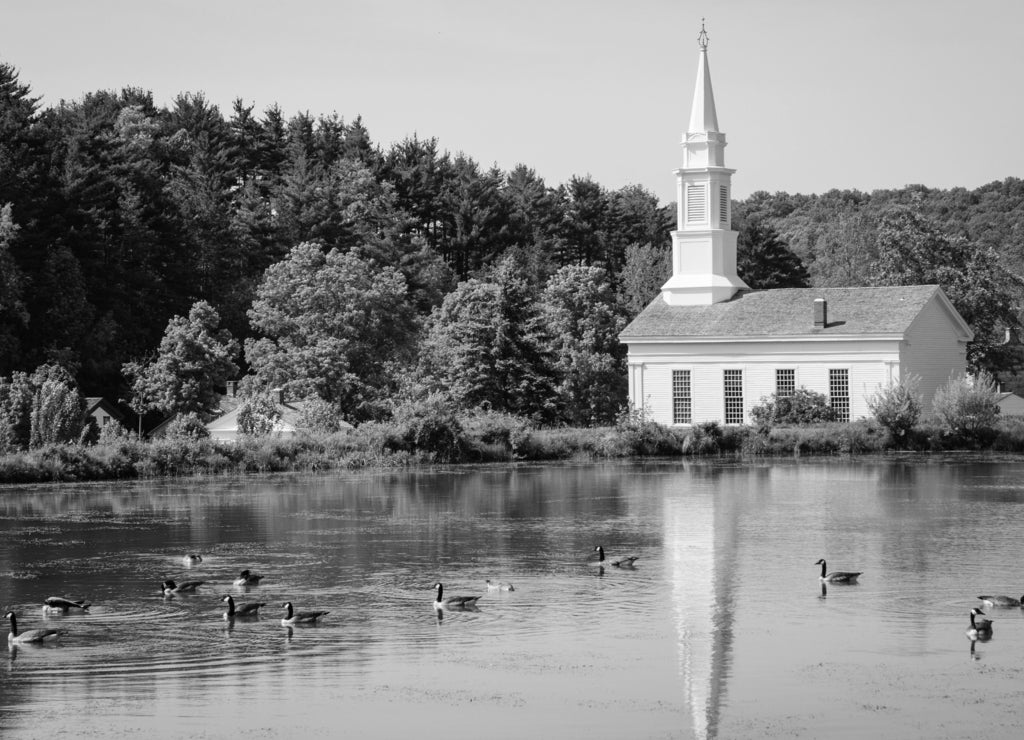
837,576
452,602
625,562
245,610
980,628
493,586
1001,600
293,617
191,559
19,638
60,605
247,578
170,588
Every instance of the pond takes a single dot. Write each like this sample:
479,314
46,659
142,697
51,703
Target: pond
721,629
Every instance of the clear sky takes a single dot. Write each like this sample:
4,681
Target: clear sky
812,94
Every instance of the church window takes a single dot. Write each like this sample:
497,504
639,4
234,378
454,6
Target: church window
785,382
839,392
733,396
696,207
682,403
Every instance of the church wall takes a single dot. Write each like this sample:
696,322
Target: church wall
870,363
932,351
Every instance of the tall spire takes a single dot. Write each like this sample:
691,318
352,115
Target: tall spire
703,244
703,117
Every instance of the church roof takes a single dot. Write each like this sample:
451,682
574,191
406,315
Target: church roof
789,312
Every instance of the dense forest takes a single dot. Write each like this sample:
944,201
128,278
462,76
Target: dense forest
304,255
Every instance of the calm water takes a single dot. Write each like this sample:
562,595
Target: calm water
721,630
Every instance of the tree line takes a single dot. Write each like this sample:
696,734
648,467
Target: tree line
138,242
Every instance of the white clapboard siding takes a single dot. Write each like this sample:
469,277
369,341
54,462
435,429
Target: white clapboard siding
931,352
878,335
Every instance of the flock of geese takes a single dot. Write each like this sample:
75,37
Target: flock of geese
292,617
979,629
442,602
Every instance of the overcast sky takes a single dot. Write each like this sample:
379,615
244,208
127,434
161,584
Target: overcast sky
812,95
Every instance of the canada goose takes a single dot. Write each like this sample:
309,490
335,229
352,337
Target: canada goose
980,628
245,578
293,617
60,605
492,586
626,562
452,602
837,576
188,587
16,638
191,559
245,610
1001,600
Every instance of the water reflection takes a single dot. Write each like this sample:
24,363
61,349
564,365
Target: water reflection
701,539
721,630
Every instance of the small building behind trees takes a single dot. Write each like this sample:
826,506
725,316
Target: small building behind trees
102,412
282,418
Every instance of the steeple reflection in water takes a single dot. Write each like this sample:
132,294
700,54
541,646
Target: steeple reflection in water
701,544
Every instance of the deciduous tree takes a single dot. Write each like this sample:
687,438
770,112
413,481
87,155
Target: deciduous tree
16,395
583,320
58,409
331,324
195,359
913,250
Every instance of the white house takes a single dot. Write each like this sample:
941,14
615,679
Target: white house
289,422
1010,404
709,348
102,411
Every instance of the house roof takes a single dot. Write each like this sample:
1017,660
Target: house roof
225,404
94,402
788,312
289,420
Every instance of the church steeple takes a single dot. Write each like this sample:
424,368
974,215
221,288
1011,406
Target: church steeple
703,245
703,116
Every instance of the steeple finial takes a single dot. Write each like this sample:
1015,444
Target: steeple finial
702,37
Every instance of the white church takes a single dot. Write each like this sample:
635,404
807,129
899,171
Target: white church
709,348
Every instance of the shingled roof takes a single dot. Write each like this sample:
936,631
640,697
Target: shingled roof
789,312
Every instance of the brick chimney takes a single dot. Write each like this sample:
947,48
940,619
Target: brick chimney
820,313
277,394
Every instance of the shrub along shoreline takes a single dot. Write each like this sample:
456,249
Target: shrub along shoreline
485,438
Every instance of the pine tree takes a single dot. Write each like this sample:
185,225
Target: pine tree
764,261
488,345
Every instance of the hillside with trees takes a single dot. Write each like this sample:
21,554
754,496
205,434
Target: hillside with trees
151,250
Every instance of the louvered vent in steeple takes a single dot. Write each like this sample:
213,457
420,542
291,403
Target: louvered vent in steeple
696,207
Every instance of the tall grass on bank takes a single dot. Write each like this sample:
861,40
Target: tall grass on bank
482,438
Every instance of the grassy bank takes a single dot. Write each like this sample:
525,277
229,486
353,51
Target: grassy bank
480,439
